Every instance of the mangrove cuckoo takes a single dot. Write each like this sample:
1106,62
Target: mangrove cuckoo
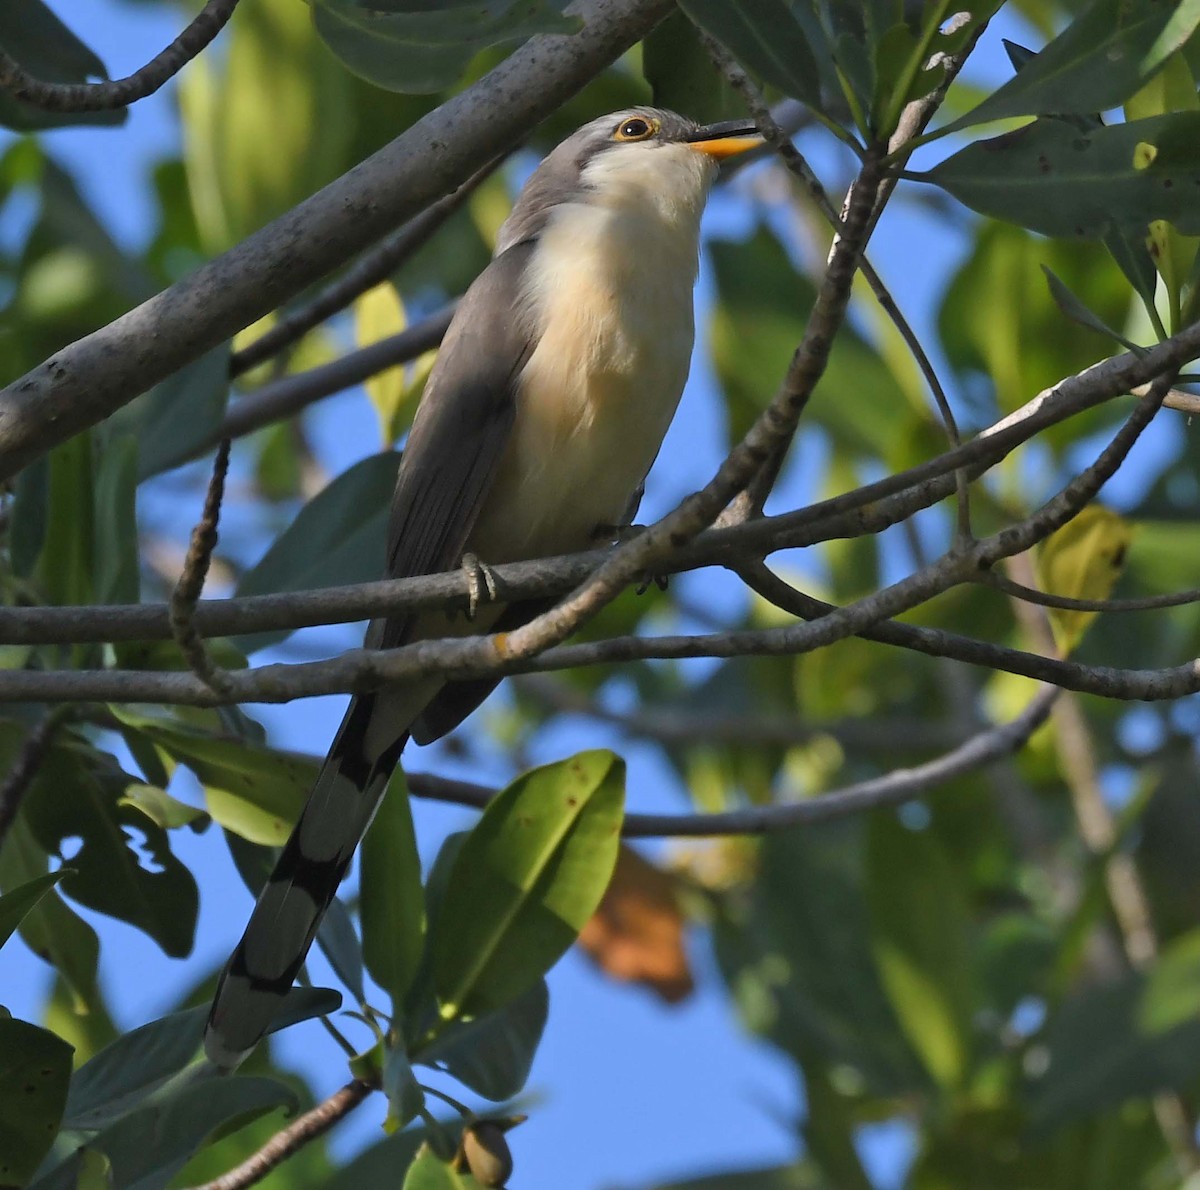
547,405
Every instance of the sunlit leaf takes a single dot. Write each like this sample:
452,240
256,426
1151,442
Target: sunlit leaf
529,875
379,313
1132,40
1082,560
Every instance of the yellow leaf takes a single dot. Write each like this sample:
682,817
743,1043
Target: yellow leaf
379,313
1082,560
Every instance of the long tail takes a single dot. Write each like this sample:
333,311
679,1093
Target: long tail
336,816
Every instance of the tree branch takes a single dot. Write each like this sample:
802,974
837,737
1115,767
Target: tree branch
118,93
892,789
90,379
26,764
293,1138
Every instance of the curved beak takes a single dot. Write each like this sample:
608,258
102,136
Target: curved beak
726,139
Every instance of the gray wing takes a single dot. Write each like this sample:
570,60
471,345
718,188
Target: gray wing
462,426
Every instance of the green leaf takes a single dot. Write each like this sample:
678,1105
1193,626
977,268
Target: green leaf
339,943
408,48
1052,178
1074,309
392,906
35,1069
16,904
337,537
1082,560
920,937
116,530
429,1172
178,416
65,568
493,1053
528,877
108,874
148,1146
404,1095
766,38
52,930
162,809
49,51
379,1167
682,75
1172,993
251,790
778,1177
1132,41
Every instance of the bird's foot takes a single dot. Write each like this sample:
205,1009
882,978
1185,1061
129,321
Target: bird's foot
480,577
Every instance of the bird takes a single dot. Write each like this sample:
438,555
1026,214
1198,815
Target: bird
547,404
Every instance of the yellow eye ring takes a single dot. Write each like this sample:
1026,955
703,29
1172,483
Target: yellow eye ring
636,128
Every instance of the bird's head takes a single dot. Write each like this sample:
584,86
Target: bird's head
640,159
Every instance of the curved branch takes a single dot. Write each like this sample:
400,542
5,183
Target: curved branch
893,788
293,1138
118,93
91,378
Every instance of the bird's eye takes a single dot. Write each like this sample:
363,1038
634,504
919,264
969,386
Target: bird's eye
636,129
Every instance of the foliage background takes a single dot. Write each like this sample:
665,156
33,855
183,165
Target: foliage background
637,1093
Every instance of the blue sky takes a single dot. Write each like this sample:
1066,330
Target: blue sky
648,1092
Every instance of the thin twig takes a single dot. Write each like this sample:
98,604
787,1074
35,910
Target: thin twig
1029,594
290,394
290,1140
118,93
25,765
894,788
191,581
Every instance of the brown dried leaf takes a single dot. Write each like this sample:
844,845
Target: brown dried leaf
636,935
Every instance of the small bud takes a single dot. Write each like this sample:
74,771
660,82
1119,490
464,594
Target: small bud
487,1154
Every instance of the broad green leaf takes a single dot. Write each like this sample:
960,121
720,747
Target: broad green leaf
529,875
415,50
682,75
493,1053
1082,560
116,532
381,1166
248,789
765,37
379,313
1052,178
920,921
15,905
108,874
148,1146
178,416
1171,996
1131,40
48,50
141,1062
429,1172
337,537
392,905
35,1068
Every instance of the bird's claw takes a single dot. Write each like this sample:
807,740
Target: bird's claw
661,581
479,575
